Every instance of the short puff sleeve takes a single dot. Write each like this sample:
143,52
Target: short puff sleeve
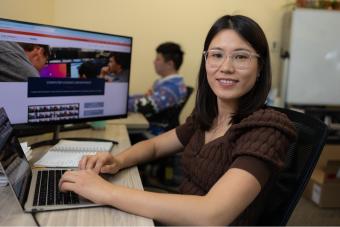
265,135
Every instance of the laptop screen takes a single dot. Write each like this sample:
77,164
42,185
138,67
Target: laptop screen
13,161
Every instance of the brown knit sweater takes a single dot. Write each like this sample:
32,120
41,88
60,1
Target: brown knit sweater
257,144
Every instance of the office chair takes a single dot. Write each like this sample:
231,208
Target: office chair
169,118
163,174
301,159
162,121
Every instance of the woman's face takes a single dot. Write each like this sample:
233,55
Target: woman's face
231,77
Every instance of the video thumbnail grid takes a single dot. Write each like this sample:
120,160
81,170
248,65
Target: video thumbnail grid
53,112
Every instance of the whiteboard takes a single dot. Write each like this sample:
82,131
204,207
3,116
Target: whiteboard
314,64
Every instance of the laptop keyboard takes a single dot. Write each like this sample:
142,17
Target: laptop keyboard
47,190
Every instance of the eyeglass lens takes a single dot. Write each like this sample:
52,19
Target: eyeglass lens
240,59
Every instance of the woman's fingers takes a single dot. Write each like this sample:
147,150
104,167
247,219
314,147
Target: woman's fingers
97,162
91,161
66,186
68,177
113,168
83,161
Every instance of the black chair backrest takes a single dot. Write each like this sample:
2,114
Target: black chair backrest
169,118
300,163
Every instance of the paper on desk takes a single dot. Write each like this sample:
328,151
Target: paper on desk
27,150
61,159
68,153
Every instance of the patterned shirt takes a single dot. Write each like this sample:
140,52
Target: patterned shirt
166,92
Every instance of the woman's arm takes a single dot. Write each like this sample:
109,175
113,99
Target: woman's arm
144,151
147,150
233,192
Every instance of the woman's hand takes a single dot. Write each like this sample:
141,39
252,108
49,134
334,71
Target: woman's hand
100,163
87,184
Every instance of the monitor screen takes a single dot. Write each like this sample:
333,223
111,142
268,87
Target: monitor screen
68,89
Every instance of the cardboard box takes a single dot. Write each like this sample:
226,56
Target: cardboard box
329,152
324,187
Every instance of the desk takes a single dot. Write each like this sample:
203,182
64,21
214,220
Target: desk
135,122
12,214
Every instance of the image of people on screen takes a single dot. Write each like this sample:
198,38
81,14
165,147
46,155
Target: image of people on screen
86,64
88,70
118,68
19,61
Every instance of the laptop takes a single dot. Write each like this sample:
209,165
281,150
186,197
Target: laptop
35,189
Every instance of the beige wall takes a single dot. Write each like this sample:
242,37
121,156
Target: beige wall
39,11
151,22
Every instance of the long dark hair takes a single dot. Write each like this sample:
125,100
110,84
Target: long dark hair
205,110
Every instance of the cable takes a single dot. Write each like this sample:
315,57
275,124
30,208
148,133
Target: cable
35,219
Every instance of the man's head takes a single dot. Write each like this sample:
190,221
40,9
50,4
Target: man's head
37,54
88,70
119,62
169,58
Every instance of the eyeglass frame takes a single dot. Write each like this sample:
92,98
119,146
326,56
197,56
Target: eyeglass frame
226,56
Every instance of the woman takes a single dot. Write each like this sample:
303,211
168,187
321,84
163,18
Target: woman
233,145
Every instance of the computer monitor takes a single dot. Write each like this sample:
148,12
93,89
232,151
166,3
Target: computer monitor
59,95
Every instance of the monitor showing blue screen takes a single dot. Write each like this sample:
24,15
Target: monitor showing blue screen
60,94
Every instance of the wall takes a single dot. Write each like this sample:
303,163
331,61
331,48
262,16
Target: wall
151,22
39,11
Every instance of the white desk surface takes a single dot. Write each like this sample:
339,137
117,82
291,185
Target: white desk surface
12,214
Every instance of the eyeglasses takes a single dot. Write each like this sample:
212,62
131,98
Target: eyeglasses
239,59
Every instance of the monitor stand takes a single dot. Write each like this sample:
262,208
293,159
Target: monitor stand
55,139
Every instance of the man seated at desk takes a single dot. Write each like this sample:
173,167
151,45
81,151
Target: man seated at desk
166,92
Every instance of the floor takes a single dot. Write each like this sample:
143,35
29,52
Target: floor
307,213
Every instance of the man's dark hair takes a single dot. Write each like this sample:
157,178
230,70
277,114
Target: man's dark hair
30,46
205,109
89,69
123,59
171,52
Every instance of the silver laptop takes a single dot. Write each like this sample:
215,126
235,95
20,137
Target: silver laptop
36,190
